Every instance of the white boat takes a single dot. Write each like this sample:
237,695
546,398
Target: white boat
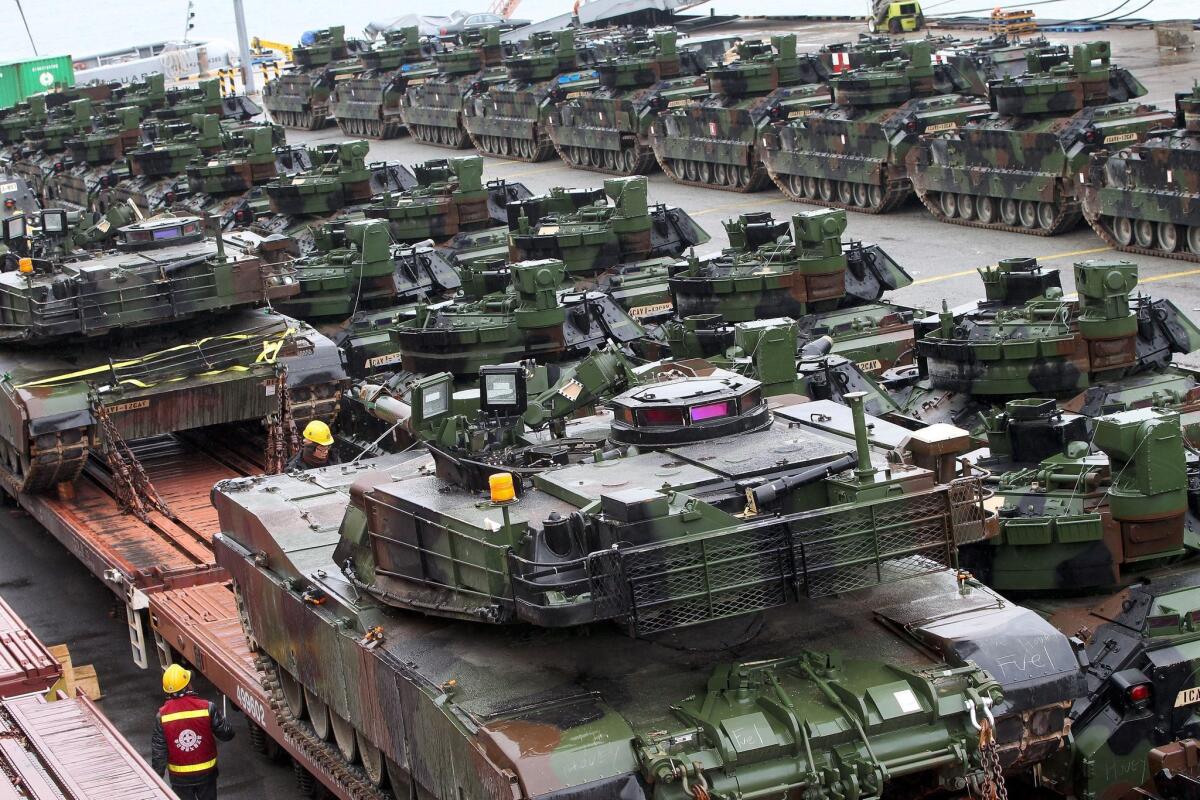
175,60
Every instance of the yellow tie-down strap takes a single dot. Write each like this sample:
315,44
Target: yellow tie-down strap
271,345
193,767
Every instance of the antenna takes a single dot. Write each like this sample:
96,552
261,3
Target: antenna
27,31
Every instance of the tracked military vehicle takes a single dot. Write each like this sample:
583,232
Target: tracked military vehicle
608,130
20,118
981,61
853,154
433,105
93,157
43,151
368,104
509,118
1145,198
299,98
450,197
715,140
1017,168
75,380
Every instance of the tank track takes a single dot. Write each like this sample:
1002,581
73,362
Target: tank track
301,121
748,179
349,778
1068,216
321,401
507,147
891,198
1181,253
47,465
458,139
370,128
643,161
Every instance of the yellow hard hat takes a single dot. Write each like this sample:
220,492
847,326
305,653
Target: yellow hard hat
317,432
176,679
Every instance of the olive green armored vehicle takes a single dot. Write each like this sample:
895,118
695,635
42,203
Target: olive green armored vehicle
433,104
299,98
368,104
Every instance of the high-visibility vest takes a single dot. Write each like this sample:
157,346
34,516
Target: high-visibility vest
191,746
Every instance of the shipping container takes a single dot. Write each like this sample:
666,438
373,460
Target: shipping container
44,74
10,85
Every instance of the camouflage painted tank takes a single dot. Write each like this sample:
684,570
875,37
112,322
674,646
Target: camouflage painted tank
509,119
981,61
853,154
299,98
867,51
655,717
450,197
432,107
74,381
43,151
608,130
1017,168
368,103
715,140
182,103
1145,198
93,160
15,121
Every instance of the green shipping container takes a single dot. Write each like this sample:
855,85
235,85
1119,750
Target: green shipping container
43,74
10,86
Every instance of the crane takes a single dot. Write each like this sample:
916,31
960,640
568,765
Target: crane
262,44
504,8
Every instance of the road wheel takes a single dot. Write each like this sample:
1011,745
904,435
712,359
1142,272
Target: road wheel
401,784
949,204
812,188
610,159
1168,237
1193,239
704,172
318,715
1029,213
1047,215
985,209
743,177
372,760
795,184
1122,229
1143,233
344,736
846,193
862,195
630,161
293,692
966,206
827,190
875,195
1010,212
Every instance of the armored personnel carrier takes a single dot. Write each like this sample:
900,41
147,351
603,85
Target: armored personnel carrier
868,50
1145,198
368,104
608,130
509,118
1017,168
43,151
981,61
74,380
299,98
715,140
433,105
852,155
20,118
450,197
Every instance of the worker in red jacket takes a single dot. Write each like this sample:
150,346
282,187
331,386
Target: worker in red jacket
185,738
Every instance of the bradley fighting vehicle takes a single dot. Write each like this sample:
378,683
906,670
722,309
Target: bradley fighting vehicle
79,372
1145,197
432,106
707,525
1018,167
1108,350
299,98
608,130
509,118
852,154
368,103
715,140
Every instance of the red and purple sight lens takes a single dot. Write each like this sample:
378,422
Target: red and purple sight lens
710,411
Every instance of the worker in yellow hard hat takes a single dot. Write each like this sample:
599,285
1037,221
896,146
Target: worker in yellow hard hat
185,737
317,450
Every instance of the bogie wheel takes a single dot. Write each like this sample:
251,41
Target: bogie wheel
372,760
344,736
949,203
875,196
1122,229
795,184
1143,233
811,188
318,715
827,189
1193,239
862,195
743,177
1168,237
846,192
630,160
1010,212
966,206
985,209
1029,215
293,692
704,172
1047,214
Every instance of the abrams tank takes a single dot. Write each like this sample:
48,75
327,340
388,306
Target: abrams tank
1145,198
450,197
432,106
75,380
1017,168
509,118
368,104
660,712
299,98
715,140
853,154
608,130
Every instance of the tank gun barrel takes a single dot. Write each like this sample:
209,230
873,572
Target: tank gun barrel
758,496
380,404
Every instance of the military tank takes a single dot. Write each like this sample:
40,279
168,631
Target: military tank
1017,168
869,50
450,197
1143,198
715,141
509,118
93,157
79,375
43,151
608,130
853,154
981,61
368,104
299,98
20,118
432,107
